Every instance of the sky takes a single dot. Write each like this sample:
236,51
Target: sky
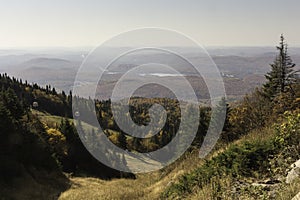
75,23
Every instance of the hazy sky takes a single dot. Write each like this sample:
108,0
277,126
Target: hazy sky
90,22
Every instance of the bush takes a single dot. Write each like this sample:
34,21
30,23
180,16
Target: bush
245,160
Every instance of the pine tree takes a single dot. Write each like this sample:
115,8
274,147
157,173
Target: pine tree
68,130
122,140
282,76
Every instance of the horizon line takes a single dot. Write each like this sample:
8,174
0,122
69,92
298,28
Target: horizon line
92,47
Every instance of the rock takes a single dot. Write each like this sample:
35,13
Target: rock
297,197
262,185
271,181
294,172
296,164
267,184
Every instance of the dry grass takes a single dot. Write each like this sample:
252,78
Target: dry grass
264,134
289,191
145,186
93,188
151,185
148,186
54,121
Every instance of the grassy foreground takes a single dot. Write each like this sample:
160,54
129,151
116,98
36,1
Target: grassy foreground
181,179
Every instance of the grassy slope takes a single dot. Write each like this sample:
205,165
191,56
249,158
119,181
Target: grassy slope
152,185
54,121
222,187
145,186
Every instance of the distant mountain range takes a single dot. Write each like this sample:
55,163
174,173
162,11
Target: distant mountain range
243,68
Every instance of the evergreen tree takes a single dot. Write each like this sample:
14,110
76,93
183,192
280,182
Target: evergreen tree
282,76
68,130
122,140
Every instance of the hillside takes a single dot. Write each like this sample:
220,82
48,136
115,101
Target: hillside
253,165
24,173
256,156
177,179
38,148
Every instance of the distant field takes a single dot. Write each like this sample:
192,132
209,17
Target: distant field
54,121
